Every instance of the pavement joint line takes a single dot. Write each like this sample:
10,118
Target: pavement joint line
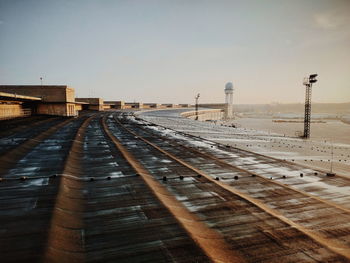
22,149
214,247
70,176
75,253
331,245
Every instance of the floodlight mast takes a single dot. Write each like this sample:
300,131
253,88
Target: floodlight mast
308,81
197,97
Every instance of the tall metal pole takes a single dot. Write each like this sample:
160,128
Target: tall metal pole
197,97
332,159
307,119
331,173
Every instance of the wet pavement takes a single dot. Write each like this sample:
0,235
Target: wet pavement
74,196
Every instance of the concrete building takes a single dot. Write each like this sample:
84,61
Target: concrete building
79,106
167,105
93,103
151,105
107,106
13,105
133,105
54,99
115,104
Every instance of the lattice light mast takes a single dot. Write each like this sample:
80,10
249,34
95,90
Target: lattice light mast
308,81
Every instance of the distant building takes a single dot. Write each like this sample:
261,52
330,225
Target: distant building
115,104
167,105
93,103
151,105
133,105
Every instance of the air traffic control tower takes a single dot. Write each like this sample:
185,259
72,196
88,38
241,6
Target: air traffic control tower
228,101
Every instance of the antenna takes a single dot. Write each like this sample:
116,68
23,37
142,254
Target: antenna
41,81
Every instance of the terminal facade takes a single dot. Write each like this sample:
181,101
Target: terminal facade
60,100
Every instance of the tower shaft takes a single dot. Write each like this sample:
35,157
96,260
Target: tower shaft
228,111
307,118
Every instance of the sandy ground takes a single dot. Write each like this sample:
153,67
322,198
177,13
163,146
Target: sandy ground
315,152
331,130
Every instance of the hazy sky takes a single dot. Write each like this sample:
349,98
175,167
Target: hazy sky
167,51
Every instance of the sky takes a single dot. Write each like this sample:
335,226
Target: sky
167,51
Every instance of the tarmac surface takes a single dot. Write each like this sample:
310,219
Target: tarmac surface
112,187
315,153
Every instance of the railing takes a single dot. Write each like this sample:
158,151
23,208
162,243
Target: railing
204,114
11,113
